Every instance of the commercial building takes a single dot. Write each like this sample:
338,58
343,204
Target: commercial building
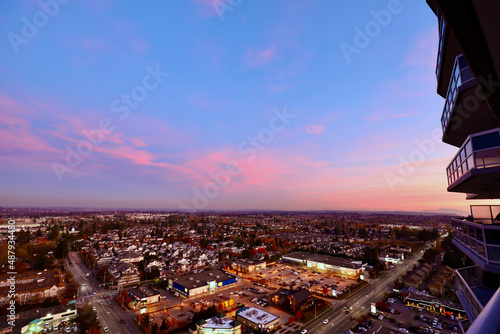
257,319
51,316
219,324
468,77
338,265
205,282
144,295
248,265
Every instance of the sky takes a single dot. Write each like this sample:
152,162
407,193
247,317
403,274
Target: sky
222,104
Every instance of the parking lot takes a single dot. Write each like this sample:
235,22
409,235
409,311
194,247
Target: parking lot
401,317
321,282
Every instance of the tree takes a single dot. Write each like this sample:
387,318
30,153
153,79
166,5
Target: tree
54,232
163,326
23,237
155,273
39,233
62,249
245,253
42,261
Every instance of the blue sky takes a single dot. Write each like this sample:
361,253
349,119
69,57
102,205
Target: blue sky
231,74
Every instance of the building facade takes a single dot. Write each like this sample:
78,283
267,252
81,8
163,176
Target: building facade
205,282
340,266
468,78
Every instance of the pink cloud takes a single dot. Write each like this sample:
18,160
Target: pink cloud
315,129
257,58
138,142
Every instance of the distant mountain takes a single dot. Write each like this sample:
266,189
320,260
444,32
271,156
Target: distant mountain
443,211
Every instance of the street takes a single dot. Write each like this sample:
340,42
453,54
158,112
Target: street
108,316
338,321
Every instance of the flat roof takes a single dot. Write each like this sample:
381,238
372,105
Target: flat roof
216,322
201,279
144,292
57,310
257,315
326,259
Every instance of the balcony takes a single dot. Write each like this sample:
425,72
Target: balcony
442,36
475,169
479,238
471,297
448,49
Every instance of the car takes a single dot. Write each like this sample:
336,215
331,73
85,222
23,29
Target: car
404,330
122,321
351,318
325,321
93,308
106,329
109,305
55,327
95,293
380,317
68,329
303,331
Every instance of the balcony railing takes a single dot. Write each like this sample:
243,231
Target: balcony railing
481,150
480,235
460,75
485,214
442,32
466,281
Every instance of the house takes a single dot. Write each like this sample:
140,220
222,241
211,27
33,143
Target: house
124,273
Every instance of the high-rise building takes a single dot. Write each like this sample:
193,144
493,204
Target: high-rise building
467,73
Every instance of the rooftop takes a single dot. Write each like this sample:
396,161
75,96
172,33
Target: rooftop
256,315
216,322
196,280
326,259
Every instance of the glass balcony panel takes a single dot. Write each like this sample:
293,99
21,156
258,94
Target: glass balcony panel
473,245
480,249
479,234
470,162
494,253
467,75
468,148
495,213
492,237
461,73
